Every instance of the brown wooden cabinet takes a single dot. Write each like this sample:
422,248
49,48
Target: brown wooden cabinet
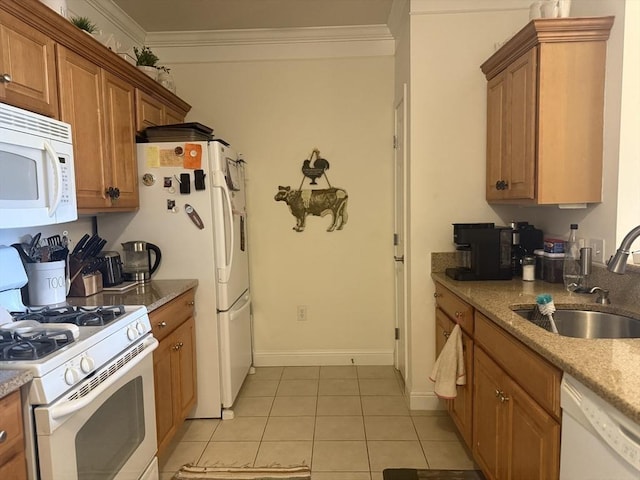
27,67
449,311
515,436
100,108
12,457
174,361
151,112
545,103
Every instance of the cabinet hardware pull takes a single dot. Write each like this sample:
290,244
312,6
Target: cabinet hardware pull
5,78
446,334
162,324
503,397
3,436
436,295
191,303
502,185
498,393
178,346
459,314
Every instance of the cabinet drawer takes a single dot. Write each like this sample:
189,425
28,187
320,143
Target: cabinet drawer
167,318
11,424
532,372
459,311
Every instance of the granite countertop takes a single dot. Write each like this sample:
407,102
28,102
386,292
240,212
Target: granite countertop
152,295
12,380
610,367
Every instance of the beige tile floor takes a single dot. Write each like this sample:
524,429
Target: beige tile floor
347,423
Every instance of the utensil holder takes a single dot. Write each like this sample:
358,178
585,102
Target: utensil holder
85,285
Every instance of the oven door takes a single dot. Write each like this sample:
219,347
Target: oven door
110,432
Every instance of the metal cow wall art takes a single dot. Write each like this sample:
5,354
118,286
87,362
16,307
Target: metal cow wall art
316,202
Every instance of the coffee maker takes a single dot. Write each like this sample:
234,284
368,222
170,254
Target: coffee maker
485,252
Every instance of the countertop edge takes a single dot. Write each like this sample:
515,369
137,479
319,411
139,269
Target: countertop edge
578,357
12,380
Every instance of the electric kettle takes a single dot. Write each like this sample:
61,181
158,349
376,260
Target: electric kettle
136,264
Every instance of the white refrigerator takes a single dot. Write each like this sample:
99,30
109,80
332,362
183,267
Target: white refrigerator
192,206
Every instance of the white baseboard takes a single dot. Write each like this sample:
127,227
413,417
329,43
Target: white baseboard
306,358
424,401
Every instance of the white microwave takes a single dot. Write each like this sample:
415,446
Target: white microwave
37,178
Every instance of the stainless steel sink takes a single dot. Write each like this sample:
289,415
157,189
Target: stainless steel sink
589,324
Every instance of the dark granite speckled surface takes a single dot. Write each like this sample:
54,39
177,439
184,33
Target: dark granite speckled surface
610,367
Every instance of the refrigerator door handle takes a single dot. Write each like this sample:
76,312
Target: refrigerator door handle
219,182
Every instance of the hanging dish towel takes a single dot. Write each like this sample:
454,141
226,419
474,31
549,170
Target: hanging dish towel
448,371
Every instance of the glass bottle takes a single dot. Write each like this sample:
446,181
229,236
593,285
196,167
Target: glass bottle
571,272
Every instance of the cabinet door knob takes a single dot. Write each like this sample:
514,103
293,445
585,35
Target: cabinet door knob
459,314
3,436
178,346
436,295
5,78
446,334
162,324
191,303
502,185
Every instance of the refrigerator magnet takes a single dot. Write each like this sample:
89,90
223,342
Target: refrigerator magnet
193,215
193,156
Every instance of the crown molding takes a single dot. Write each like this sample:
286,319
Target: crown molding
119,18
266,36
426,7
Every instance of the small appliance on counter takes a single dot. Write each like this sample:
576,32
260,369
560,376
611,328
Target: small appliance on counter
137,264
485,252
111,269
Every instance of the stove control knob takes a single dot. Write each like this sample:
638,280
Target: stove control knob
87,364
132,333
140,328
71,376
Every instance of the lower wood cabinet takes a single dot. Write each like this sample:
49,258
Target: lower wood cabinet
508,413
12,458
514,436
174,366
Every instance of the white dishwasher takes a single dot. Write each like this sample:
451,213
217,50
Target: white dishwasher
598,442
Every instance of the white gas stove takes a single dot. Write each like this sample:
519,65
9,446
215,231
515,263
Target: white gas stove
90,407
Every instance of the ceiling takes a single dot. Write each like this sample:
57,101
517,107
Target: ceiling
198,15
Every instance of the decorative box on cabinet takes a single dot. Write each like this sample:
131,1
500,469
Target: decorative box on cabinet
451,310
516,407
12,457
174,362
27,67
545,103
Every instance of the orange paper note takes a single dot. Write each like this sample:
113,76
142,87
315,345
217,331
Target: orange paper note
192,156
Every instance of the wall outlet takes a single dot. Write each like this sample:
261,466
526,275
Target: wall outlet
597,250
303,313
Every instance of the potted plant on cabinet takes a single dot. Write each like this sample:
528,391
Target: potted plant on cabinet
146,61
84,23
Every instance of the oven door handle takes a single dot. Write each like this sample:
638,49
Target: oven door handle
58,413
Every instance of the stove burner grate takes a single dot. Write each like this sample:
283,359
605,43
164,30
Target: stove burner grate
32,345
81,316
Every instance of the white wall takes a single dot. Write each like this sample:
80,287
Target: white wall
448,118
275,113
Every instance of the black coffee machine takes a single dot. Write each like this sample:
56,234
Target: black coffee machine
485,252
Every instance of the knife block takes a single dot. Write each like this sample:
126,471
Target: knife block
86,285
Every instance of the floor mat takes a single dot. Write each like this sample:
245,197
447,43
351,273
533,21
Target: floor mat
413,474
192,472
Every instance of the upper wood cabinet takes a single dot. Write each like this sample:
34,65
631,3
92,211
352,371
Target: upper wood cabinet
100,108
27,67
151,112
545,104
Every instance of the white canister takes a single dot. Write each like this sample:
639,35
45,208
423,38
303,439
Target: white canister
549,8
564,8
47,283
58,6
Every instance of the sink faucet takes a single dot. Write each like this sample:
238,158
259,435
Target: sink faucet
618,263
